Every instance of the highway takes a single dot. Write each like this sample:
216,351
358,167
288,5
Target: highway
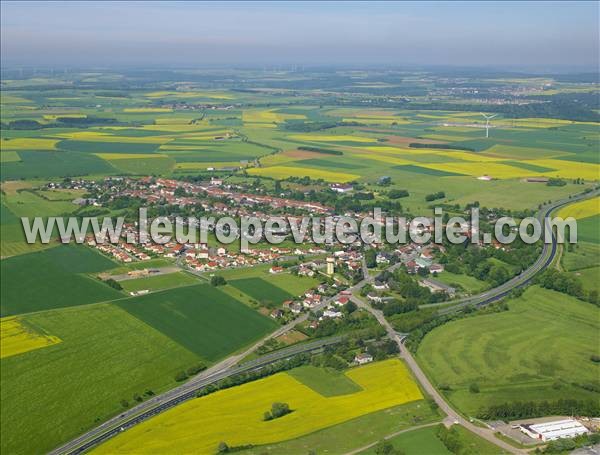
525,278
180,394
229,366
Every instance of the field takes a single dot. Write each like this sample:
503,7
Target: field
327,382
201,318
262,291
581,210
236,415
516,355
105,356
468,283
159,282
16,337
53,278
358,432
417,442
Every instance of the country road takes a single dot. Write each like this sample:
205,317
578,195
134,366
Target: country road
452,415
227,367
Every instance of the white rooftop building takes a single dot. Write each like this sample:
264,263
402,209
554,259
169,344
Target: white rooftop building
549,431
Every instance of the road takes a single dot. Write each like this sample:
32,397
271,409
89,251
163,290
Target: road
185,392
452,415
227,367
543,261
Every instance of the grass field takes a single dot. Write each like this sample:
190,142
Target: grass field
17,337
584,255
201,318
262,291
325,381
416,442
358,432
516,355
282,172
236,415
53,278
468,283
158,282
106,355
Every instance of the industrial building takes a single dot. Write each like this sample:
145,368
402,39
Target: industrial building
549,431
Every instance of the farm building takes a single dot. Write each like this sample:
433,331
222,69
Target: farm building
549,431
341,187
363,358
437,286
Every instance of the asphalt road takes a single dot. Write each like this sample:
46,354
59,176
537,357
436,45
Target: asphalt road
543,261
452,415
180,394
229,367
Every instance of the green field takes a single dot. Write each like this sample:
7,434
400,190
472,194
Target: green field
588,229
518,355
416,442
201,318
584,255
35,165
158,282
327,382
53,278
105,356
262,291
470,284
355,433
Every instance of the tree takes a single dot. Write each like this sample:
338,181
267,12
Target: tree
385,447
350,307
222,447
218,280
181,376
474,388
277,410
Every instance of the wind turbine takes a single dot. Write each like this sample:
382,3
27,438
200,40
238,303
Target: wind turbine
487,123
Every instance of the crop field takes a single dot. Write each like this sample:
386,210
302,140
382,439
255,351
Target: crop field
105,356
16,337
236,415
516,355
53,278
201,318
582,209
417,442
262,291
282,172
158,282
358,432
325,381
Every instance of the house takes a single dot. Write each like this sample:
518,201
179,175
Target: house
276,269
287,305
436,268
363,358
296,308
216,181
381,258
437,286
378,286
374,297
422,263
277,313
332,314
341,187
341,301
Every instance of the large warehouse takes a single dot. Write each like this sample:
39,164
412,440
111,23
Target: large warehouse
549,431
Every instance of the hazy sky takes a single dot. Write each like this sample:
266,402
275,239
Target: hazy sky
396,34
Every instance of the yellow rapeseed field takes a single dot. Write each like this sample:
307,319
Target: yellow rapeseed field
569,169
268,116
236,415
28,143
282,172
17,338
581,210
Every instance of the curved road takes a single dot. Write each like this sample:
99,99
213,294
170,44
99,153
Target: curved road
227,367
542,262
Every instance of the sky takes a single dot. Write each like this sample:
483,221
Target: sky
120,34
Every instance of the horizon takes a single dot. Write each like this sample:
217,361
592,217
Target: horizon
482,35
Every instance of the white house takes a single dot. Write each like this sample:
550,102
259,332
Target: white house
363,358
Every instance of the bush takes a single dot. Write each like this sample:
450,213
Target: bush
181,376
277,410
474,388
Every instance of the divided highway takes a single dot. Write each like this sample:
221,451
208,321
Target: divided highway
229,366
